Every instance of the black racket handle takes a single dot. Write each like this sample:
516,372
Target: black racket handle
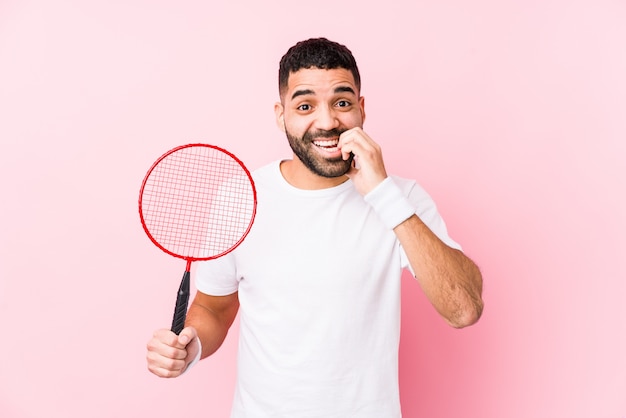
180,312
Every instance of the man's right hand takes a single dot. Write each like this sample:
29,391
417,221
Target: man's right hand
170,354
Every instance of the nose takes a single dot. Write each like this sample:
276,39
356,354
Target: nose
326,118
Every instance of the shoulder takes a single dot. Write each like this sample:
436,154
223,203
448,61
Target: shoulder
269,172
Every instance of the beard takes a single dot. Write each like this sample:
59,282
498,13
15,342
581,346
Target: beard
302,147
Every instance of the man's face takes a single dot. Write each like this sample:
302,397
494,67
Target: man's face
316,108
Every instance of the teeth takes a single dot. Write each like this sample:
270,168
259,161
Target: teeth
329,143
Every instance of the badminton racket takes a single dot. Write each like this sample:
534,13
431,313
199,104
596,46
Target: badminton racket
197,202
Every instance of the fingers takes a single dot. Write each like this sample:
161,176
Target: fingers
187,335
353,141
167,352
346,144
193,347
369,169
356,141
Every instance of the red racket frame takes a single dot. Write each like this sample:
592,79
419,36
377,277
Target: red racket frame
183,292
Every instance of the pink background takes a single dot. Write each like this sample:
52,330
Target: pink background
511,114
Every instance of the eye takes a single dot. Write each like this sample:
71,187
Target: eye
343,103
304,107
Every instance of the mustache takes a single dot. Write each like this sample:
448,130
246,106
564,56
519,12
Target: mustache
311,135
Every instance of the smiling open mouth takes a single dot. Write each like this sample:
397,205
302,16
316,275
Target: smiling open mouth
327,144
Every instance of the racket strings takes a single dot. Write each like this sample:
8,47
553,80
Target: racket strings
198,202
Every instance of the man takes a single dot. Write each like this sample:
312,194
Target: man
317,280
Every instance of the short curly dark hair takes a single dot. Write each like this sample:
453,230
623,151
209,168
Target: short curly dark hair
316,53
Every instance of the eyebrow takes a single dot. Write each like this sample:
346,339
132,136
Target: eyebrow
302,93
305,92
344,89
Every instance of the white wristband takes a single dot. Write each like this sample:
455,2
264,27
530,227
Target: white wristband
390,204
196,358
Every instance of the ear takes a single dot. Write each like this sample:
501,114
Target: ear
279,112
362,106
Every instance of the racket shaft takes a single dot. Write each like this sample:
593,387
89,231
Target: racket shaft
182,300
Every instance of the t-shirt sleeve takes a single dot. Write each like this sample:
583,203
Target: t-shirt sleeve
426,209
217,277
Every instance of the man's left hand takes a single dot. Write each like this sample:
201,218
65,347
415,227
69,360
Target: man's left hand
368,168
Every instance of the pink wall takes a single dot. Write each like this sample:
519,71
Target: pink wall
512,114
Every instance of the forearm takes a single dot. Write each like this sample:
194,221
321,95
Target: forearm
212,317
450,280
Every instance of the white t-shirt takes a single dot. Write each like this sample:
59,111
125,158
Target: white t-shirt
319,288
